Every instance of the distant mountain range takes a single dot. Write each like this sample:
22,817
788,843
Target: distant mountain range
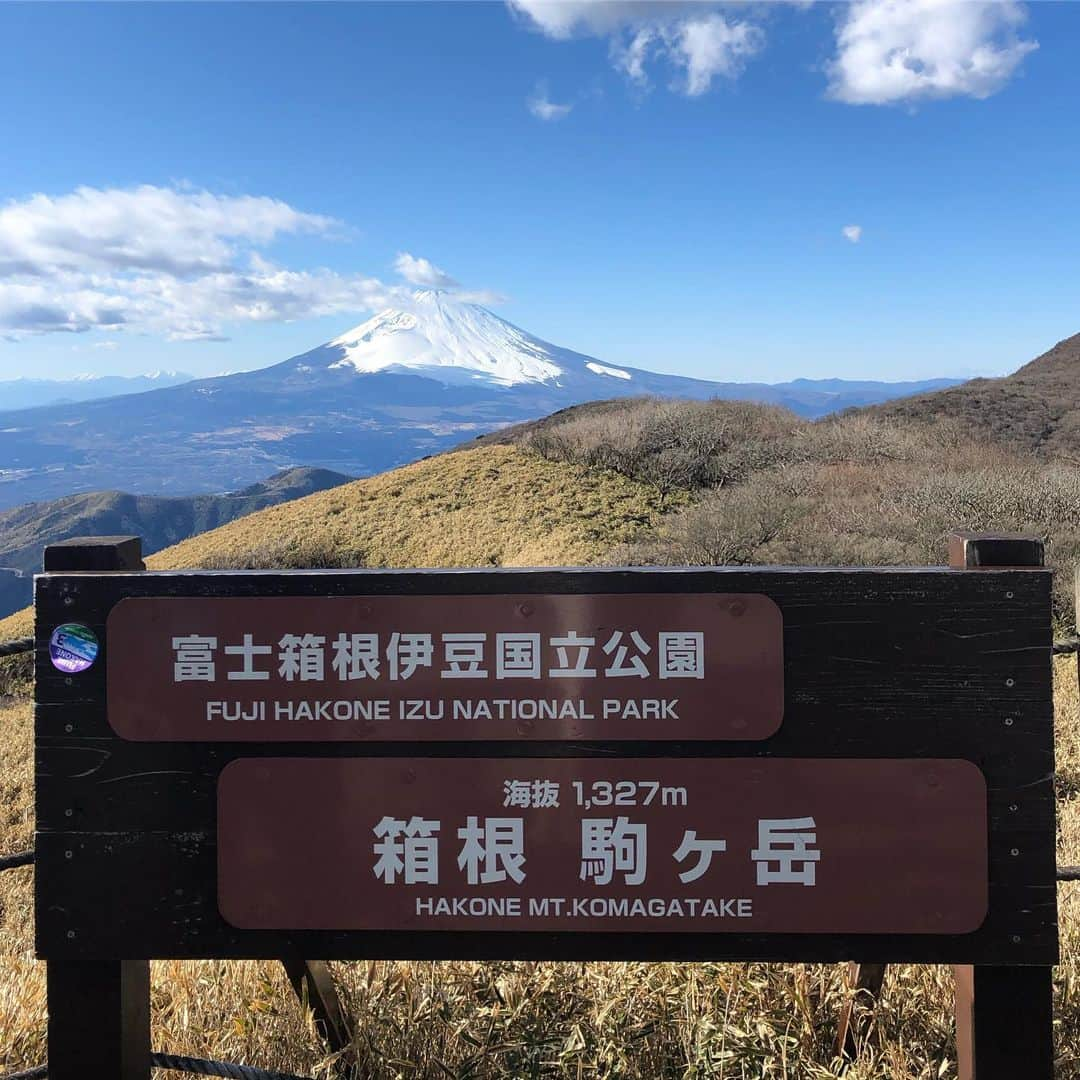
26,530
406,383
32,393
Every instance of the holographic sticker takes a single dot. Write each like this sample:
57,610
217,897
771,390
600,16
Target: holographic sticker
73,648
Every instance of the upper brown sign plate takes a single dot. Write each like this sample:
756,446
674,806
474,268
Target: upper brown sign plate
670,666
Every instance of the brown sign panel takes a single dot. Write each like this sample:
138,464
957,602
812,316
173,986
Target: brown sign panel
739,846
589,666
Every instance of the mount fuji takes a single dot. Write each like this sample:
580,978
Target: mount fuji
411,381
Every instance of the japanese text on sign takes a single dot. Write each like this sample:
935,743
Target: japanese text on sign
303,658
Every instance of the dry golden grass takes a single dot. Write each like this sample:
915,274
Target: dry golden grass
509,1020
491,506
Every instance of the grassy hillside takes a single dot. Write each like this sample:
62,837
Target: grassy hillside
1036,408
862,489
489,506
160,521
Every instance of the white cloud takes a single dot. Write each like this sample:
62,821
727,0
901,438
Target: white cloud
887,51
543,108
891,51
108,345
563,19
144,228
852,233
630,54
691,35
711,46
421,272
177,263
424,274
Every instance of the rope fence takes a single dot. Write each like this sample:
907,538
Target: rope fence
179,1063
18,858
16,646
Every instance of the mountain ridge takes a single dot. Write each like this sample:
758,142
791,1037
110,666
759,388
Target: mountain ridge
160,521
407,383
1036,408
31,393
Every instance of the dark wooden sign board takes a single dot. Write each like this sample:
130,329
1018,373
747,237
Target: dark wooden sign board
916,715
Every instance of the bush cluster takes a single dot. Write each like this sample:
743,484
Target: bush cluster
862,489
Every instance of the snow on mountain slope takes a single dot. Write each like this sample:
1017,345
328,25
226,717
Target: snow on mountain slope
441,331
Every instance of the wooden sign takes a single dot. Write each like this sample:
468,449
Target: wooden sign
712,764
843,681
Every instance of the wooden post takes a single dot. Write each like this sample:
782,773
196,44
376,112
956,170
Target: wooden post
313,982
99,1007
1004,1015
99,1018
864,982
94,554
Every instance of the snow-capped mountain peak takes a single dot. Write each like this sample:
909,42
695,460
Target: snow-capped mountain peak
439,330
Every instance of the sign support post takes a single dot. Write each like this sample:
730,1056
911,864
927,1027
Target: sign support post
1004,1015
313,982
99,1007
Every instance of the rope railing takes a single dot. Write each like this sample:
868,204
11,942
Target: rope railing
17,858
16,646
180,1063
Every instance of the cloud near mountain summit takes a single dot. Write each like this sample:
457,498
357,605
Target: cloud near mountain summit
176,263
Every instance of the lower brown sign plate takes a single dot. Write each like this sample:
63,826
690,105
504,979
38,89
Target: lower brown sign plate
731,845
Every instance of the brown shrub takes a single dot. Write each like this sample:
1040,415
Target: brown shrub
16,675
897,513
309,554
672,444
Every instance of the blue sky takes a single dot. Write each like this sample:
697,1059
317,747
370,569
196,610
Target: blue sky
212,188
